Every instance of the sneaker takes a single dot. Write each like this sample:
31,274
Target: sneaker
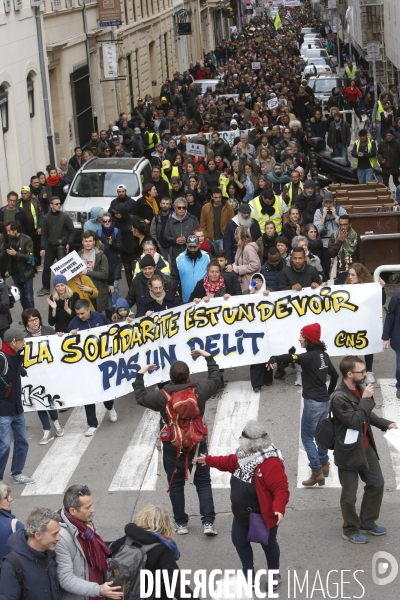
47,437
91,431
22,479
298,379
355,538
43,292
209,529
277,582
181,529
370,378
58,428
377,530
112,415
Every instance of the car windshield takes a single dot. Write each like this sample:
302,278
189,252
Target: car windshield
323,86
315,52
99,184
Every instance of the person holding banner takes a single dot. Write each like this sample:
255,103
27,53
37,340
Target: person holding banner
315,367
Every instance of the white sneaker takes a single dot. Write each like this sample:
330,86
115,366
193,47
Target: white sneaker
209,529
112,415
58,428
180,529
47,437
370,378
298,379
91,431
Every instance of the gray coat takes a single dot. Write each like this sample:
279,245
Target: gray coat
72,567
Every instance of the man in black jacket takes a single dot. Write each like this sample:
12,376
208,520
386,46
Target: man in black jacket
242,219
308,202
19,252
339,135
32,551
122,198
159,183
355,451
11,410
140,282
175,467
57,230
298,274
271,269
155,298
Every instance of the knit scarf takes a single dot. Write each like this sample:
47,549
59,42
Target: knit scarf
213,288
34,332
158,299
267,209
338,124
275,179
249,462
52,181
170,543
153,203
94,548
348,247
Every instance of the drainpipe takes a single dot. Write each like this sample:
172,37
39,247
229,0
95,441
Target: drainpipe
45,90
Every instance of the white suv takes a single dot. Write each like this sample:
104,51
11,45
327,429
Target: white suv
96,182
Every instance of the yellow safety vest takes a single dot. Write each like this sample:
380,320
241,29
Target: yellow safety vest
224,181
165,269
379,111
263,219
373,160
150,146
290,192
351,73
174,173
34,215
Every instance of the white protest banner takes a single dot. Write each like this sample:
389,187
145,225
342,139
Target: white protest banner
101,364
69,266
256,65
272,103
195,149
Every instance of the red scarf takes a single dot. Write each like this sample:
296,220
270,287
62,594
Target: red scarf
213,288
52,181
205,246
94,549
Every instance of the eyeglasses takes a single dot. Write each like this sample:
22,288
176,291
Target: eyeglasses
32,319
361,372
180,207
56,203
106,220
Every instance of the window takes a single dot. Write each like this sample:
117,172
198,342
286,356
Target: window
100,185
126,11
134,9
31,97
166,54
4,108
130,82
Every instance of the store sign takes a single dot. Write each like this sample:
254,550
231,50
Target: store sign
110,61
109,13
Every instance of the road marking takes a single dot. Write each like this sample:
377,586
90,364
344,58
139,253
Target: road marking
151,478
58,465
238,404
135,463
391,411
303,470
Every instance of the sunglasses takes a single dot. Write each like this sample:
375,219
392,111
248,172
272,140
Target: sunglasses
106,220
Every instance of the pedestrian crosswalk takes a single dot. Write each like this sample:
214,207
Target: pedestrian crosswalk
137,467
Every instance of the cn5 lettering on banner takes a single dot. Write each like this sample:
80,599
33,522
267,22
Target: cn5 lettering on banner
101,364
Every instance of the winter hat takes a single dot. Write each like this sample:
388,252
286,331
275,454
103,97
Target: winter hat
147,261
13,334
309,183
59,279
121,303
312,332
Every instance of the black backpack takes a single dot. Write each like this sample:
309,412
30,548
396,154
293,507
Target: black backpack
124,568
19,574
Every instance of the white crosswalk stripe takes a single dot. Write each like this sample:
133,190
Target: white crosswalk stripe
238,404
391,411
57,467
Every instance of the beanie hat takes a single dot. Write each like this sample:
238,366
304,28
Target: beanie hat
312,332
309,183
147,261
59,279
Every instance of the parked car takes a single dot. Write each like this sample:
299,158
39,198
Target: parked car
321,61
316,70
322,85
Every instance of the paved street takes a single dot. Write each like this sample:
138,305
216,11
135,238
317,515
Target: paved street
119,464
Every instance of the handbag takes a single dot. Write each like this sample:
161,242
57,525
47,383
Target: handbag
325,434
258,531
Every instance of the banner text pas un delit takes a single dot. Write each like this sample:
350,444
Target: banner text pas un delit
101,364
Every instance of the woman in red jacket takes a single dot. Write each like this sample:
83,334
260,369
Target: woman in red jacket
352,95
258,485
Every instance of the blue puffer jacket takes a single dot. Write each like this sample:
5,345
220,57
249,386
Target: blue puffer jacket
39,569
190,272
5,530
270,274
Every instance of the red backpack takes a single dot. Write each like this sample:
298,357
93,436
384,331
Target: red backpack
185,428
